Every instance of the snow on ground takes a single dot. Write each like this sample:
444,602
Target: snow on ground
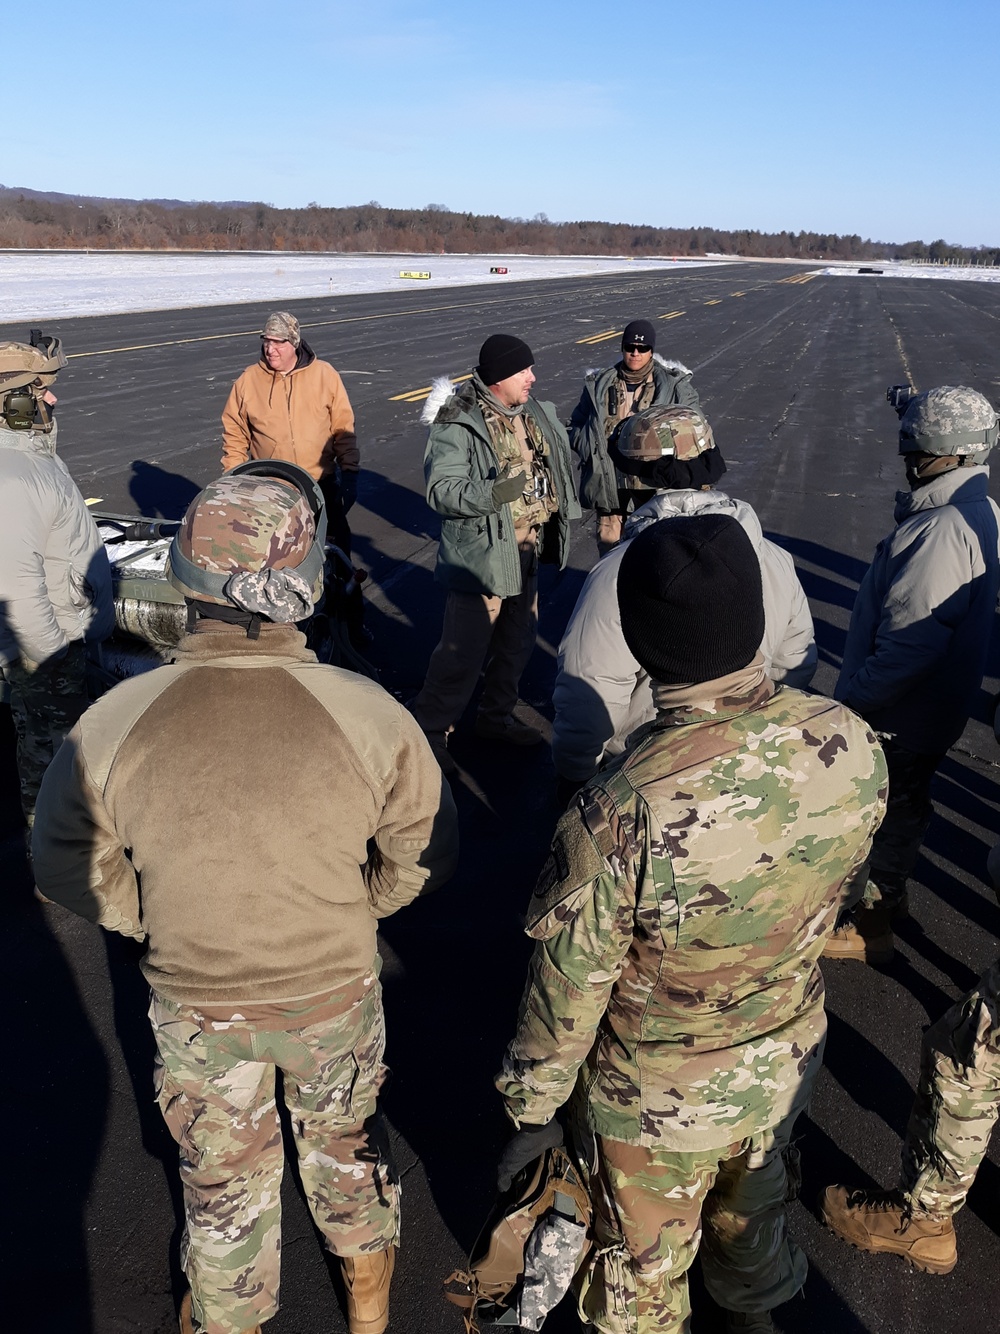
46,285
971,273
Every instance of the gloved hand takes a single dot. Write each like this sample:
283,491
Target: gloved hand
529,1143
507,488
348,488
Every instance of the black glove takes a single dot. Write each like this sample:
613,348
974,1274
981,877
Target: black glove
529,1143
507,488
348,488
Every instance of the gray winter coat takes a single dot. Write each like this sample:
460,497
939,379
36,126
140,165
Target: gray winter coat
55,581
602,694
478,552
920,630
599,480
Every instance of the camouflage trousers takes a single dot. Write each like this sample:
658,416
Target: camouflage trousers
957,1102
45,702
215,1084
652,1210
896,844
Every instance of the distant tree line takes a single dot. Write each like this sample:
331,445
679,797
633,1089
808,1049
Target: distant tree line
33,220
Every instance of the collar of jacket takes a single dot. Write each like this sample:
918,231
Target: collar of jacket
671,504
712,701
29,442
217,642
961,486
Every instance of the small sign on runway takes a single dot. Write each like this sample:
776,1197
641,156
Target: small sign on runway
412,273
495,269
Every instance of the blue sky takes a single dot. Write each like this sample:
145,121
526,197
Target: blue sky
878,118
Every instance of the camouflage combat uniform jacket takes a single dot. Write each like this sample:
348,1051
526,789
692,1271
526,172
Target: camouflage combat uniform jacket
682,912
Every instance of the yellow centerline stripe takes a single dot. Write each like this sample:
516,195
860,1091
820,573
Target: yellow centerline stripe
596,338
737,293
715,301
93,500
671,315
415,395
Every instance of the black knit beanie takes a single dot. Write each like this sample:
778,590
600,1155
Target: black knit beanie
640,332
501,356
690,597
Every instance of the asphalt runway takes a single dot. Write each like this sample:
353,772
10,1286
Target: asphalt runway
792,371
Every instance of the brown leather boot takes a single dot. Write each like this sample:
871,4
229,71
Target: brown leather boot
366,1279
883,1221
185,1318
864,934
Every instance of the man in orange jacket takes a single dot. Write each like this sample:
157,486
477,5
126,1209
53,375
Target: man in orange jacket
290,405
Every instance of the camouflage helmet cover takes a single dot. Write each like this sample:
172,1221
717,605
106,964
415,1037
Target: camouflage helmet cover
661,432
948,420
246,525
21,364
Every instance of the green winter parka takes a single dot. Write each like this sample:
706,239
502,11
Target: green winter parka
599,481
478,552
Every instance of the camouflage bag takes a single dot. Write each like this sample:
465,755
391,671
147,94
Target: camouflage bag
529,1250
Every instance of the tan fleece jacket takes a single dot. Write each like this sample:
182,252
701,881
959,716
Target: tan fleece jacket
249,810
304,417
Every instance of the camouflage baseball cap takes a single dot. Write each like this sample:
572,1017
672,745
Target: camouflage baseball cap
662,432
250,541
282,326
948,420
21,364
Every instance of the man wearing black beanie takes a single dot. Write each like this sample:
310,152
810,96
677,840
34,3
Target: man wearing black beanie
639,381
678,924
498,472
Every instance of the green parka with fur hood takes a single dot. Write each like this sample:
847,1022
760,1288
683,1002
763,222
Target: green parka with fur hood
478,552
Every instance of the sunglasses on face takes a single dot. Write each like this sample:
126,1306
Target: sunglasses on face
635,347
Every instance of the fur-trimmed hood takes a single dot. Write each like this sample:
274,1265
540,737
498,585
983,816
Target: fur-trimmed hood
442,389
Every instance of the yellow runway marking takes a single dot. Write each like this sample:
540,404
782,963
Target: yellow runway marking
601,337
671,315
715,301
737,293
318,324
93,500
415,395
799,278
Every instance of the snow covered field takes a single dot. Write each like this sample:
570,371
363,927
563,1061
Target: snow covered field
46,285
953,272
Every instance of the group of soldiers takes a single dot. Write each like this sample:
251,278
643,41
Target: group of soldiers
724,827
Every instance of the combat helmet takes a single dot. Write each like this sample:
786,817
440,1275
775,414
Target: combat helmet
253,540
24,369
663,432
949,420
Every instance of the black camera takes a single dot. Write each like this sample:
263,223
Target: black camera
898,396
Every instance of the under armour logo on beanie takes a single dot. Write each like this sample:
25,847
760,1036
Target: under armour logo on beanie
689,591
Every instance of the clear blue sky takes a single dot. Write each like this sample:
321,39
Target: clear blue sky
878,118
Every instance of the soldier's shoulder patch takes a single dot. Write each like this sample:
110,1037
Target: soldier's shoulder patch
567,879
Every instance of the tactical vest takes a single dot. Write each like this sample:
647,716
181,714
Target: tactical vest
525,450
625,400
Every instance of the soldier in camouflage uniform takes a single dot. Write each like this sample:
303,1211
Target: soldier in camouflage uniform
674,996
498,471
55,582
275,808
919,635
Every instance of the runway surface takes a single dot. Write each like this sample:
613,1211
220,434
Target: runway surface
792,371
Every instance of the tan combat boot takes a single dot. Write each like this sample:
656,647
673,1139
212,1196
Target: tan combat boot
185,1318
881,1221
366,1279
864,934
